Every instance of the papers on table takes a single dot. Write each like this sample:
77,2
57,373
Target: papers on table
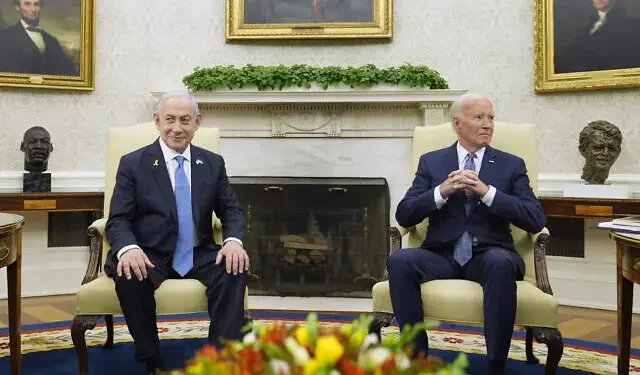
629,224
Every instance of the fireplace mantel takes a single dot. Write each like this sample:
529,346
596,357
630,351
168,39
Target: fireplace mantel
341,112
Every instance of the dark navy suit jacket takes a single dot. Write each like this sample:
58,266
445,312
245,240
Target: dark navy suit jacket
514,202
18,54
143,206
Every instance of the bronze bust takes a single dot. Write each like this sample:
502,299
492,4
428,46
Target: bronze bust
36,145
600,145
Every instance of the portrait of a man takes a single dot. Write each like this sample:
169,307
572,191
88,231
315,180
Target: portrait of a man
308,11
40,37
595,35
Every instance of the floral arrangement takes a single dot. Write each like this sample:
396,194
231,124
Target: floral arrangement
309,349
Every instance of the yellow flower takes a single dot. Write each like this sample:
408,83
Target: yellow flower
356,339
310,367
347,329
302,335
329,349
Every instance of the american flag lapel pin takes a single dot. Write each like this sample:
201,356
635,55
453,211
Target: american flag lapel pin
492,161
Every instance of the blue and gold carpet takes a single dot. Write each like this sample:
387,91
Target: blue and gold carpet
47,348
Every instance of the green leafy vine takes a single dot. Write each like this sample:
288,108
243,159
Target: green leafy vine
281,76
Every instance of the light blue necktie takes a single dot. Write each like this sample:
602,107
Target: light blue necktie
464,246
183,256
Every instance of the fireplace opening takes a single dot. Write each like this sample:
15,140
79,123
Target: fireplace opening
315,236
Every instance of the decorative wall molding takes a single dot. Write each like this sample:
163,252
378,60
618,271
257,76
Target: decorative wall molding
549,184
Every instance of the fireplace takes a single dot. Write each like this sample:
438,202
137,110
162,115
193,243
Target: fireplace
312,236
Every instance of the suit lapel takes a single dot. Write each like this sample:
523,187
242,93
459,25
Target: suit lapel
198,177
155,160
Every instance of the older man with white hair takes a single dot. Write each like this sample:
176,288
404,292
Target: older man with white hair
471,193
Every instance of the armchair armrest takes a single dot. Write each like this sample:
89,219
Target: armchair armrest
96,234
541,242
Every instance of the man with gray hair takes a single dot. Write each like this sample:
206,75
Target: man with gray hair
471,193
160,226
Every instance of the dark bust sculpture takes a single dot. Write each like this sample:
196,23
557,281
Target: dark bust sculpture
36,145
600,145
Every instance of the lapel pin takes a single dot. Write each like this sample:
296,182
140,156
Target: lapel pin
198,161
491,161
155,163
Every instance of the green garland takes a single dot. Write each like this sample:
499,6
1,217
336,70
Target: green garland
279,77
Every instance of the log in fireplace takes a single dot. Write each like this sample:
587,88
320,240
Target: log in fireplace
315,236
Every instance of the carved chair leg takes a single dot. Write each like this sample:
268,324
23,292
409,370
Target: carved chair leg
247,317
531,358
80,325
380,319
108,321
553,339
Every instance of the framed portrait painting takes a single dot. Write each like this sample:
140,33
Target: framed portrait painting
47,44
586,45
309,19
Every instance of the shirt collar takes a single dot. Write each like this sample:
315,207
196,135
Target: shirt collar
462,153
170,153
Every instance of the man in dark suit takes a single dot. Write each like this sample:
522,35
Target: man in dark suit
611,40
27,48
160,227
471,193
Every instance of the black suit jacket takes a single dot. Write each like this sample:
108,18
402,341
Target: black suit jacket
18,54
514,202
616,45
143,206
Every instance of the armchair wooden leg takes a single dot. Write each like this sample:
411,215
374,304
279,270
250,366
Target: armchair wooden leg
531,358
108,321
380,319
80,325
553,339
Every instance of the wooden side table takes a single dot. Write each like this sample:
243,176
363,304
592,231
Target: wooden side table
628,273
11,257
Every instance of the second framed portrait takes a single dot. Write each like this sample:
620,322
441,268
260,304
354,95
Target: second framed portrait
586,45
309,19
47,44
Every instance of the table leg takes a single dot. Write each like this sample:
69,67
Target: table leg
625,304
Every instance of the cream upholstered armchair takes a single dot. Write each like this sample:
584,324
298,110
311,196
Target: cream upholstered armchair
97,296
537,309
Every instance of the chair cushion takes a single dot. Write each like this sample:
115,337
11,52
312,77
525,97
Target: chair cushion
460,301
98,297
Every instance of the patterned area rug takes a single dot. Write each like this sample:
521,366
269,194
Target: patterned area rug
579,357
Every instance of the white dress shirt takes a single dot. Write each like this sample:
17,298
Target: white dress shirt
487,199
36,37
172,165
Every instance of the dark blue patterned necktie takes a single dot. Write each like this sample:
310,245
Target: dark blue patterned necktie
463,249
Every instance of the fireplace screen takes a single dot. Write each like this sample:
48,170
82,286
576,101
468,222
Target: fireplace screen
315,236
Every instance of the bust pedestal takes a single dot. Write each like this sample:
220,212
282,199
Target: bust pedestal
595,191
36,182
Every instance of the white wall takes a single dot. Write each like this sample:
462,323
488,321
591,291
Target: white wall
149,45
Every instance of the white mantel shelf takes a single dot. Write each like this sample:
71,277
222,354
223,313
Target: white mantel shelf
382,111
339,94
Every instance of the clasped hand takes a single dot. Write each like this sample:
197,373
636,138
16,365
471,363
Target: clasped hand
463,180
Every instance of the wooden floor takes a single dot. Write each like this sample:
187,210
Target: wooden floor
577,323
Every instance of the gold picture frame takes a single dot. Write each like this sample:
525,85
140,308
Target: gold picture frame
58,53
310,19
580,55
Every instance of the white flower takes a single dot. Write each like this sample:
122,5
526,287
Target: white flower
374,357
279,367
299,353
334,372
249,338
371,339
402,361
